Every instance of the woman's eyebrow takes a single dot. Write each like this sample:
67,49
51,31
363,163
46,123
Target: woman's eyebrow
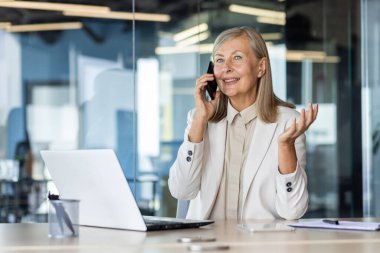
233,52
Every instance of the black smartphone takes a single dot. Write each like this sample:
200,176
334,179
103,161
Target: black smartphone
211,86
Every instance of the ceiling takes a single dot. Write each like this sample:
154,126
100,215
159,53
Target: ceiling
175,8
187,13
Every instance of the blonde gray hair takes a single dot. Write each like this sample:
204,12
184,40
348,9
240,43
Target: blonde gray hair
266,100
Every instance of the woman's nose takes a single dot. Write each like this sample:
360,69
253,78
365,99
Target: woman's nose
227,66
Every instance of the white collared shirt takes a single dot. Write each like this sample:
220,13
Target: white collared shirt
240,128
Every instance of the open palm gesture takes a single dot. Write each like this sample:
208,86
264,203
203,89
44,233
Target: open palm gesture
298,127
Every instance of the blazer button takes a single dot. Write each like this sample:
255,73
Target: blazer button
288,184
188,158
289,189
190,153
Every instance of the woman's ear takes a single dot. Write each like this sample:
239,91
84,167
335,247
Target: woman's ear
262,67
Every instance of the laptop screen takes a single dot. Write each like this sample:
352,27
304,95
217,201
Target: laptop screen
95,177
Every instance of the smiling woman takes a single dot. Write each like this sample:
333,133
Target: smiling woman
237,71
248,162
251,53
152,53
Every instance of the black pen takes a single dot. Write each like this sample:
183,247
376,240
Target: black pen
332,222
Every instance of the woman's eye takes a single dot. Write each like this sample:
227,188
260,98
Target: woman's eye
237,57
219,60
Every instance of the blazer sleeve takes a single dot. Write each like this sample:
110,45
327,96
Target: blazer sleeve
292,196
185,174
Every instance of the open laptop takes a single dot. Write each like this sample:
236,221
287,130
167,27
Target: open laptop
95,177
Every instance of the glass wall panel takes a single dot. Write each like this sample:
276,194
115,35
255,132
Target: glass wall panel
325,34
63,89
371,89
126,83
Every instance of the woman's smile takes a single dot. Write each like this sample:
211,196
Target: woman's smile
231,80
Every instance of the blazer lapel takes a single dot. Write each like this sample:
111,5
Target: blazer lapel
261,139
217,140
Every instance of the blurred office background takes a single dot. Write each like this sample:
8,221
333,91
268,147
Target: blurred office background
121,76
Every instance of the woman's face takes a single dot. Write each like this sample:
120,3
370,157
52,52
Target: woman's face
236,70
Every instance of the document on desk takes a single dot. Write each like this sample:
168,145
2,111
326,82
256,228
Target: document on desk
343,225
264,227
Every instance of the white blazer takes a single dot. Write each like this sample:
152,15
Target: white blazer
197,172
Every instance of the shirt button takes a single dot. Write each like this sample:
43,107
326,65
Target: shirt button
190,152
188,158
288,184
289,189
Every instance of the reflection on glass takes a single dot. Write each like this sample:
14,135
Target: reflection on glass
107,116
127,86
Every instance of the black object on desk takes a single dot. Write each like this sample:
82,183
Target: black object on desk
332,222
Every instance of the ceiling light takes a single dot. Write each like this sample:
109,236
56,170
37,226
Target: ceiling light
190,32
330,59
201,49
54,6
256,11
315,56
194,39
121,15
306,54
44,27
4,25
272,21
272,36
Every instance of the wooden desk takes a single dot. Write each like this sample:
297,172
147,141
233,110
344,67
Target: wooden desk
33,238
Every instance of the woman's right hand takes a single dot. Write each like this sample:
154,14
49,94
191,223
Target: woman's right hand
204,109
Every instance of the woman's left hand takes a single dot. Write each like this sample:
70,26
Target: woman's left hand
299,126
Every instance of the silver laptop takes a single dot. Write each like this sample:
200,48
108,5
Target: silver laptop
95,177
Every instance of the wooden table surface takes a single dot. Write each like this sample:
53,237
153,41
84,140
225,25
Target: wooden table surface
33,238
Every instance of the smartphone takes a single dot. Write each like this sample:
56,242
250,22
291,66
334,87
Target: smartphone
196,239
211,86
204,247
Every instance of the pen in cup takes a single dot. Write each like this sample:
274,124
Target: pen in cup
63,216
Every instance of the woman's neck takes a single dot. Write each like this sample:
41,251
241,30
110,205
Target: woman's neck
240,104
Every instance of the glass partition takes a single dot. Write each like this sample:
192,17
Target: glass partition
125,81
68,88
370,120
323,66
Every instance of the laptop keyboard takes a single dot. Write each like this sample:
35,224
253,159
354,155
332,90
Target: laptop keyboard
160,222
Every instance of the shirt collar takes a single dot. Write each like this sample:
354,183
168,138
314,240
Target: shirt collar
247,114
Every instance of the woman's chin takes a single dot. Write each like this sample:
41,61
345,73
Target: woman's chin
229,92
